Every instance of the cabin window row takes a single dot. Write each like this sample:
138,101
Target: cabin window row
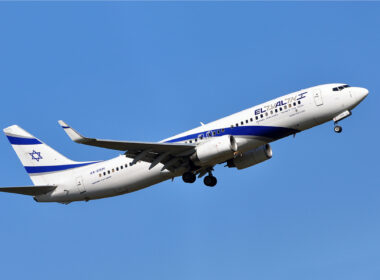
267,114
214,133
113,170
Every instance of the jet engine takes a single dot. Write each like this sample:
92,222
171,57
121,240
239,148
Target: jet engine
215,150
252,157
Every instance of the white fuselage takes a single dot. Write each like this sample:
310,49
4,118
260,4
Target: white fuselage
252,128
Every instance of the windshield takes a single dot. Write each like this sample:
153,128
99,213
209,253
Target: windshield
340,88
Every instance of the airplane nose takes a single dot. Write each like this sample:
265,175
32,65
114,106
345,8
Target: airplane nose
365,92
362,93
358,95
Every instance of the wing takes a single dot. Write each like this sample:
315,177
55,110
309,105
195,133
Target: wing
170,154
124,145
29,190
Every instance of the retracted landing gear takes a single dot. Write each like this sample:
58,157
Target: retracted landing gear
338,129
210,180
188,177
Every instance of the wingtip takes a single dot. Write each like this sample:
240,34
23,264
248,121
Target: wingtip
72,133
63,124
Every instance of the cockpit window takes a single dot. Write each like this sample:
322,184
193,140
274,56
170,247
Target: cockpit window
340,88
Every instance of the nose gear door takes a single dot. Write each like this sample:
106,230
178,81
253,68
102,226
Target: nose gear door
317,97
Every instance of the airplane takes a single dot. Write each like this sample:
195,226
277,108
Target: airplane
240,140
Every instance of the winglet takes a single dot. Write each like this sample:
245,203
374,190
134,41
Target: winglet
72,133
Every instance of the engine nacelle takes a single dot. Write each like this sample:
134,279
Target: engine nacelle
252,157
215,150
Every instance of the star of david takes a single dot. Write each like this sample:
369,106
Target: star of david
36,155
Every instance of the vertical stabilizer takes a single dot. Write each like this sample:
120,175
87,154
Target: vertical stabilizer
41,162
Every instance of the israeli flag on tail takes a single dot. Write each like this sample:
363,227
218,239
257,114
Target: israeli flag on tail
43,164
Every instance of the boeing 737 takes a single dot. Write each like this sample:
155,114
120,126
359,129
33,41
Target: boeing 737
240,140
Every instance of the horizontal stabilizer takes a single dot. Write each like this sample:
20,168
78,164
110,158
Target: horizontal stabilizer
29,190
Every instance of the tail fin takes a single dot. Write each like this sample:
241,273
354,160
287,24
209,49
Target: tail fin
40,161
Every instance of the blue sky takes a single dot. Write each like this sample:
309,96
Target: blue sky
146,71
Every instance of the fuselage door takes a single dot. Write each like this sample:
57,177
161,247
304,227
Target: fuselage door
317,97
80,185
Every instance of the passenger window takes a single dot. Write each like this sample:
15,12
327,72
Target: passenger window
130,164
121,167
271,112
222,129
242,123
290,105
117,168
257,117
218,131
285,107
104,173
213,133
100,174
237,125
299,102
266,114
294,103
261,116
276,110
113,170
246,121
280,108
191,141
109,172
126,165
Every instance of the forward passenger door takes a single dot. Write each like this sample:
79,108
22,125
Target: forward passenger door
317,97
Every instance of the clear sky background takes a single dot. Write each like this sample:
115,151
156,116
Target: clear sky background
146,71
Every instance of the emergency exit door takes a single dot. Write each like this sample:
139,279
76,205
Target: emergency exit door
80,185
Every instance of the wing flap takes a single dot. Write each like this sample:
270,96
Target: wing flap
29,190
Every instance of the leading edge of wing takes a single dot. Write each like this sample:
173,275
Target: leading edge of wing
123,145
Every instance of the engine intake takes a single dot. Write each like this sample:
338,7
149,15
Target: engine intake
252,157
215,150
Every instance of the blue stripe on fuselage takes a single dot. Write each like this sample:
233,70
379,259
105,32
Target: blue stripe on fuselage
271,132
23,141
53,168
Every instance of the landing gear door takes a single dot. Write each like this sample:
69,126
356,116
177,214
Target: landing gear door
317,97
80,185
